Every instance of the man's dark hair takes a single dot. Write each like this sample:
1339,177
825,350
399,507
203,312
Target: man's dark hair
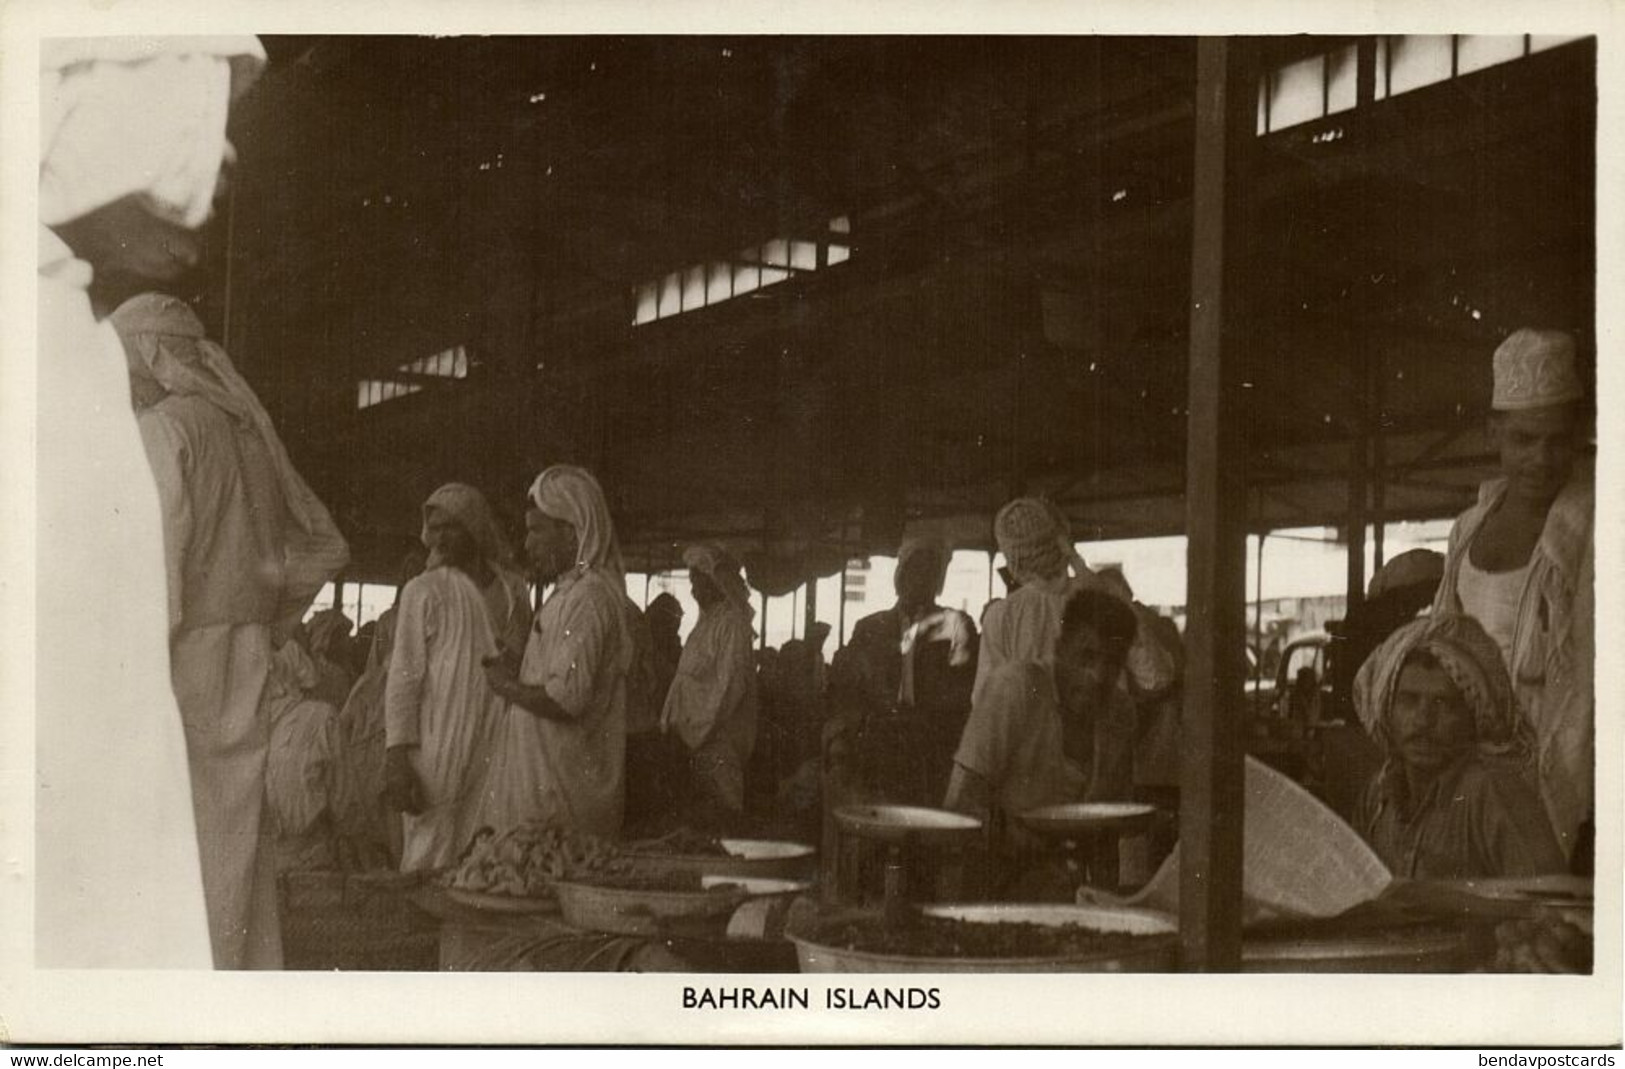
1108,616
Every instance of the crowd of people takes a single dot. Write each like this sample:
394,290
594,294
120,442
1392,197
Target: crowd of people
265,740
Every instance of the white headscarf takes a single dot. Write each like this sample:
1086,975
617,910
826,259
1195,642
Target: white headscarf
566,492
723,569
468,507
142,115
164,343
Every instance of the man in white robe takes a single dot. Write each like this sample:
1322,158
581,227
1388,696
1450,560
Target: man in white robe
560,754
248,546
132,138
439,711
712,704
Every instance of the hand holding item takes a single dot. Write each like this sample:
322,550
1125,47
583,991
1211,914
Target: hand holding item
403,791
499,673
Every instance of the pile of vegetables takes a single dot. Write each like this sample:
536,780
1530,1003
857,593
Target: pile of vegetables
524,861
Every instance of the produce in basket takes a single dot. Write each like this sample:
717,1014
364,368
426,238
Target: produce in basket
524,861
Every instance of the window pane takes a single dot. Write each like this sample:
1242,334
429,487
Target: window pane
460,367
1382,67
840,225
776,252
1296,93
719,287
804,255
1341,77
1477,51
746,278
671,295
771,275
1416,60
839,254
694,288
1263,101
647,299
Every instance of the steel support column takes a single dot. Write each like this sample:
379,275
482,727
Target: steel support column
1211,800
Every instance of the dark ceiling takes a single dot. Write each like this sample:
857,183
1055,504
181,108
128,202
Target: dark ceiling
1013,316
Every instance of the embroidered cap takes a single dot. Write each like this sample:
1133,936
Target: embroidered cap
1534,369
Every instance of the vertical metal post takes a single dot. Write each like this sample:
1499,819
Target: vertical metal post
1212,798
840,639
1379,461
1258,614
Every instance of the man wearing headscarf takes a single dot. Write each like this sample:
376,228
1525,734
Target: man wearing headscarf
900,689
561,747
247,546
1014,754
712,705
131,142
439,710
1522,560
1036,541
1451,800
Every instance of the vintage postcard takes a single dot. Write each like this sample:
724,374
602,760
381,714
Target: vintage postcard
1022,524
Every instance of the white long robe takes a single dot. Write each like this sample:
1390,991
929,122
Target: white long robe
569,772
119,883
712,704
438,701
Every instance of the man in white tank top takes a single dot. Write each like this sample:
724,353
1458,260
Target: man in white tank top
1522,562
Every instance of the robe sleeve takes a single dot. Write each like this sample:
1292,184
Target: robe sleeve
311,558
580,652
416,623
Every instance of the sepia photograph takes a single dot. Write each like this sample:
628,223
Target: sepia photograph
825,521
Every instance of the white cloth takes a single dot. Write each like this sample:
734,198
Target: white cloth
1013,740
119,883
237,563
437,700
570,773
1492,599
303,758
712,704
137,115
211,441
220,673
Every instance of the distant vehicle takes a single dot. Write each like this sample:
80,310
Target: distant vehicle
1303,685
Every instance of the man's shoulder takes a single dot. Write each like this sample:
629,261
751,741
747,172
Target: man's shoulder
1014,679
1497,781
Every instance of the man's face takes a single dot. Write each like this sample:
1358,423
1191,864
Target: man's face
1537,448
1429,720
550,544
917,578
1086,667
447,540
704,588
